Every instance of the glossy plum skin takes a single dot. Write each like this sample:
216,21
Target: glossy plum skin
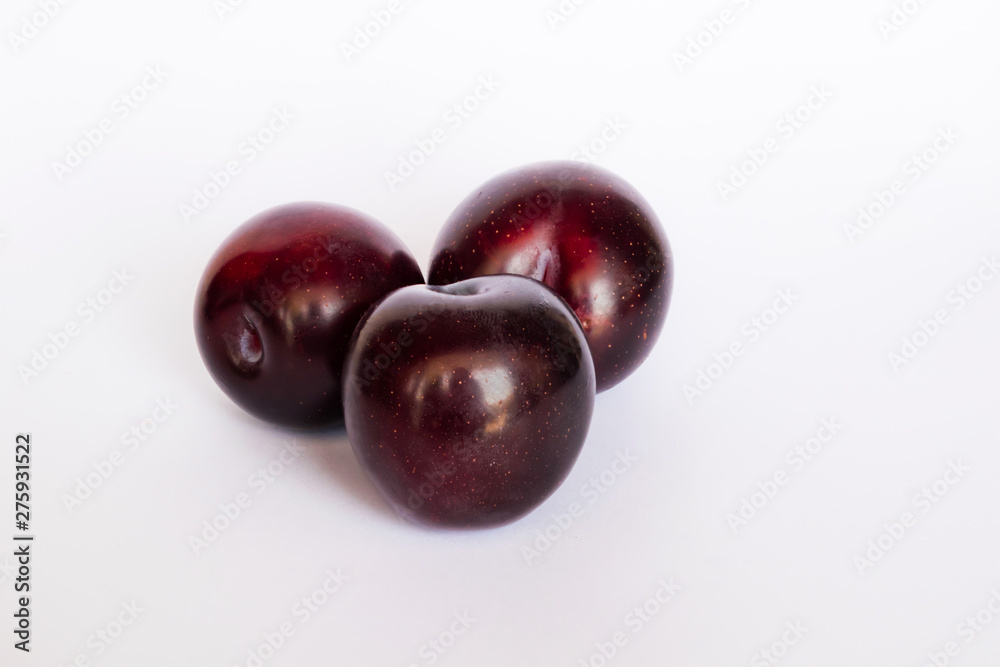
585,233
468,404
279,301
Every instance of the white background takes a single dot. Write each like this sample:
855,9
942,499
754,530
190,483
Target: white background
696,460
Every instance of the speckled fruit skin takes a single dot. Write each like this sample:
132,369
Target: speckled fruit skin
468,404
280,299
585,233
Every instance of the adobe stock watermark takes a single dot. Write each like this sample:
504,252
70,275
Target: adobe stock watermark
381,360
634,622
249,149
796,460
99,641
435,478
374,366
230,511
785,130
8,568
750,332
365,34
956,300
453,119
87,311
121,108
899,527
223,8
32,25
132,440
899,17
434,649
654,267
915,167
291,278
303,611
612,131
699,42
779,648
591,491
559,14
971,627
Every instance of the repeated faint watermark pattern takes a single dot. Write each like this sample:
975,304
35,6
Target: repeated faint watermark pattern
42,357
121,109
437,646
365,34
590,492
452,119
224,8
220,178
35,22
302,611
560,14
757,496
893,531
132,440
635,621
778,649
709,33
970,628
751,332
928,328
913,169
785,129
229,512
899,17
795,461
611,132
104,638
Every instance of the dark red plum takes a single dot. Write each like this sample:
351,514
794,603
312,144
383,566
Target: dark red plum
280,299
585,233
468,404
